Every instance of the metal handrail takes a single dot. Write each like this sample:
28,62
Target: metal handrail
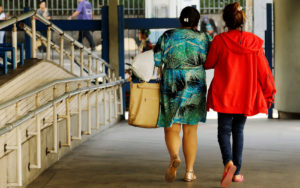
71,39
14,20
51,84
11,126
29,14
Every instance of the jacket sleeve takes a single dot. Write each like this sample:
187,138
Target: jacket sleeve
265,78
212,57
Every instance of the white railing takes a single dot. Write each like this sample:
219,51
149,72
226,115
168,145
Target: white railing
111,90
95,64
52,102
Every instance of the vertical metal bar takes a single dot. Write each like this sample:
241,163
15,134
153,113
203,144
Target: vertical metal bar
90,64
121,47
38,134
89,111
81,62
14,45
268,46
72,57
104,107
97,69
22,54
48,43
115,88
57,9
14,58
19,157
38,139
54,118
61,51
121,98
104,33
97,108
79,115
5,63
68,119
109,105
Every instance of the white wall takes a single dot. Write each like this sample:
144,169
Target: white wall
260,18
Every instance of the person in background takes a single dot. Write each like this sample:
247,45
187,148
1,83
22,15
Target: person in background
2,17
209,26
181,53
84,11
43,11
145,42
242,86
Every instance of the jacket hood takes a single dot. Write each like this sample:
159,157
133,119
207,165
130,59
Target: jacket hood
242,43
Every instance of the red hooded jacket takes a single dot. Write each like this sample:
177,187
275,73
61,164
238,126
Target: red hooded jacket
243,82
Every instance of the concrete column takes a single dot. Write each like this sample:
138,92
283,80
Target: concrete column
249,15
287,58
113,35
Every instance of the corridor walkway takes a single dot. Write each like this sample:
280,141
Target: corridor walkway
129,157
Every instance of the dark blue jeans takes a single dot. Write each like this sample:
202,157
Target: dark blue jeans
231,124
89,37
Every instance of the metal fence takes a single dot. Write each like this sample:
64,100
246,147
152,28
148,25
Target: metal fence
131,7
215,6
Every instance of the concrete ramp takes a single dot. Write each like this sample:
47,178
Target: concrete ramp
35,73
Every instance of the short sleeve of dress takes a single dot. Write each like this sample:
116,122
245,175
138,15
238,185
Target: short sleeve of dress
158,51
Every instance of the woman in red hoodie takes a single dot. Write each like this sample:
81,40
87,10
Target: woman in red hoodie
242,86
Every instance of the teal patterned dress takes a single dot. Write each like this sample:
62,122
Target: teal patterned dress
182,53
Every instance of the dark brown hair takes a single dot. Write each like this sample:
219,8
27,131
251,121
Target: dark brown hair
189,17
234,16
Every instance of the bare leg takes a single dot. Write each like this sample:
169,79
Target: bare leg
173,140
173,143
190,145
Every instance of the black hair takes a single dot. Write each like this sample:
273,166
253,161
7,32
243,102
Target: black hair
145,32
189,17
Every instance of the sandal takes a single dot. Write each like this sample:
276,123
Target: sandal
239,180
171,172
189,176
228,175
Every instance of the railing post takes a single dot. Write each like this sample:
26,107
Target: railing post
18,148
79,115
37,133
33,39
121,97
55,129
81,62
115,97
48,47
97,108
72,57
104,106
61,52
15,45
90,64
89,110
109,105
97,66
68,119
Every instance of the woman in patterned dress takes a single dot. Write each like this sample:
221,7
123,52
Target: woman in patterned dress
181,54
